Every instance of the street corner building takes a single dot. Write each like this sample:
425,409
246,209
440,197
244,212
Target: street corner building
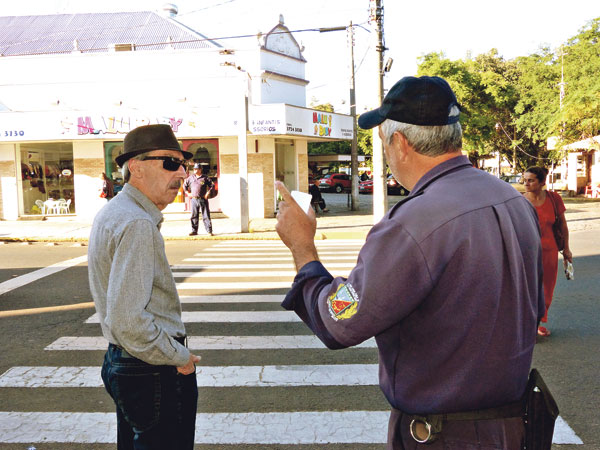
72,86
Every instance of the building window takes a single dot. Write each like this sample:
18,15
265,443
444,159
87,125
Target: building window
47,178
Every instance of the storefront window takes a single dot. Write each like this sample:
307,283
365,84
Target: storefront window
205,152
47,178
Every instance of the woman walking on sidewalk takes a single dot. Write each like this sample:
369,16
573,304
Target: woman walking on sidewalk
549,207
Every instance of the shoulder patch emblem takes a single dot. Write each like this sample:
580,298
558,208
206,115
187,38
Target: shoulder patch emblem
344,303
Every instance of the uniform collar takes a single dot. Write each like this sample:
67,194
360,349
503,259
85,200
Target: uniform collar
460,162
439,171
145,203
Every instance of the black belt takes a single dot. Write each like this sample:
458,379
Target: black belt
433,422
183,340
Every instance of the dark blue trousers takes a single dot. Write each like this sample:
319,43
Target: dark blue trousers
200,205
156,406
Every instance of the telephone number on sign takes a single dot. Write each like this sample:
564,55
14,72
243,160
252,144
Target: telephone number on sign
13,133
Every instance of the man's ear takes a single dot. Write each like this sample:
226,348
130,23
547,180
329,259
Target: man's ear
135,168
401,146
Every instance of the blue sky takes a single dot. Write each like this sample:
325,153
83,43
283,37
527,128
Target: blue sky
514,27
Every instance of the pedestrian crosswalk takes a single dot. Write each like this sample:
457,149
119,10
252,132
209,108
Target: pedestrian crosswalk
264,379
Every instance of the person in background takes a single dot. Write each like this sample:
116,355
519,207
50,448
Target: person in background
548,205
317,199
449,282
198,186
108,191
148,370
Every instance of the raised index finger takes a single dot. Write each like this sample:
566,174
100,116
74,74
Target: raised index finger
287,197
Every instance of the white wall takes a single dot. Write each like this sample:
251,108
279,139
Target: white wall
10,199
87,188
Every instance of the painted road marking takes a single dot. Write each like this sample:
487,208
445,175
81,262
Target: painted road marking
209,343
268,252
255,243
235,285
266,265
230,317
266,298
22,280
266,259
284,428
247,274
207,376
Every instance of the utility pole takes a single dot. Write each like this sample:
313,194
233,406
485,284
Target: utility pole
243,156
354,148
379,172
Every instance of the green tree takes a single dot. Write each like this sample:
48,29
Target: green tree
580,115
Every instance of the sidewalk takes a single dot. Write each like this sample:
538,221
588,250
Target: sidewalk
339,223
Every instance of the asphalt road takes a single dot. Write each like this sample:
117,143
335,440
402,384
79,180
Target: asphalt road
568,359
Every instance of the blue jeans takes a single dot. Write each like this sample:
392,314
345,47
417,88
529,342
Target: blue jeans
200,205
156,406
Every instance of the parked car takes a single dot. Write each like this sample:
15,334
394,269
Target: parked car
335,182
393,187
515,180
365,187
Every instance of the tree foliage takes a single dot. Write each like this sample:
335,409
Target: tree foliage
514,106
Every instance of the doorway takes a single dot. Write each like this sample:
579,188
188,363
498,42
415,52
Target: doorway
286,167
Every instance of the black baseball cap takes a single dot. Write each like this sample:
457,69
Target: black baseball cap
415,100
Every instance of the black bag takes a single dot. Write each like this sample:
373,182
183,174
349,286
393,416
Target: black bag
213,192
541,412
556,229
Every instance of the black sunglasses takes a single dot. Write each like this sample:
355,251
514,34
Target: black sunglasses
169,163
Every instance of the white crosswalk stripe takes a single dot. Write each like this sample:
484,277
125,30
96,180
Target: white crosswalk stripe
215,273
208,376
230,317
262,258
209,343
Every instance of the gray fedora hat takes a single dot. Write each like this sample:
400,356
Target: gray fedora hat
147,138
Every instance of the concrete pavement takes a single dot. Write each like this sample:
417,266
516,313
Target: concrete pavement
339,223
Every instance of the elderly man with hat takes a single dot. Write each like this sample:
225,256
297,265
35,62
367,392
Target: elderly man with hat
449,282
148,370
199,186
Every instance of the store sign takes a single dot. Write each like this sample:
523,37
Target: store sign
47,126
284,119
99,124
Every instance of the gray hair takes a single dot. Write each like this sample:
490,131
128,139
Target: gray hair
125,169
427,140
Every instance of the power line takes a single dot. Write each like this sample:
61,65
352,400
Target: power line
519,148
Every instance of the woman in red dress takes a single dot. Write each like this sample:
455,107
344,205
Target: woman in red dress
544,202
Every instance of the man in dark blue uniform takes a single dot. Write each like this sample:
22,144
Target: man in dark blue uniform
198,186
449,282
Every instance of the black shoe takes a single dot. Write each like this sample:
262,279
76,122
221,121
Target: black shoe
193,233
210,233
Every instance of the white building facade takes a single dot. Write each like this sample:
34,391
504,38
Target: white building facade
65,112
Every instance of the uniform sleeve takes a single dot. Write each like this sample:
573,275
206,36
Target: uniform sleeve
389,281
128,294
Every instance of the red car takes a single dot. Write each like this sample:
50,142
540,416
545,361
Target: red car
393,187
337,182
